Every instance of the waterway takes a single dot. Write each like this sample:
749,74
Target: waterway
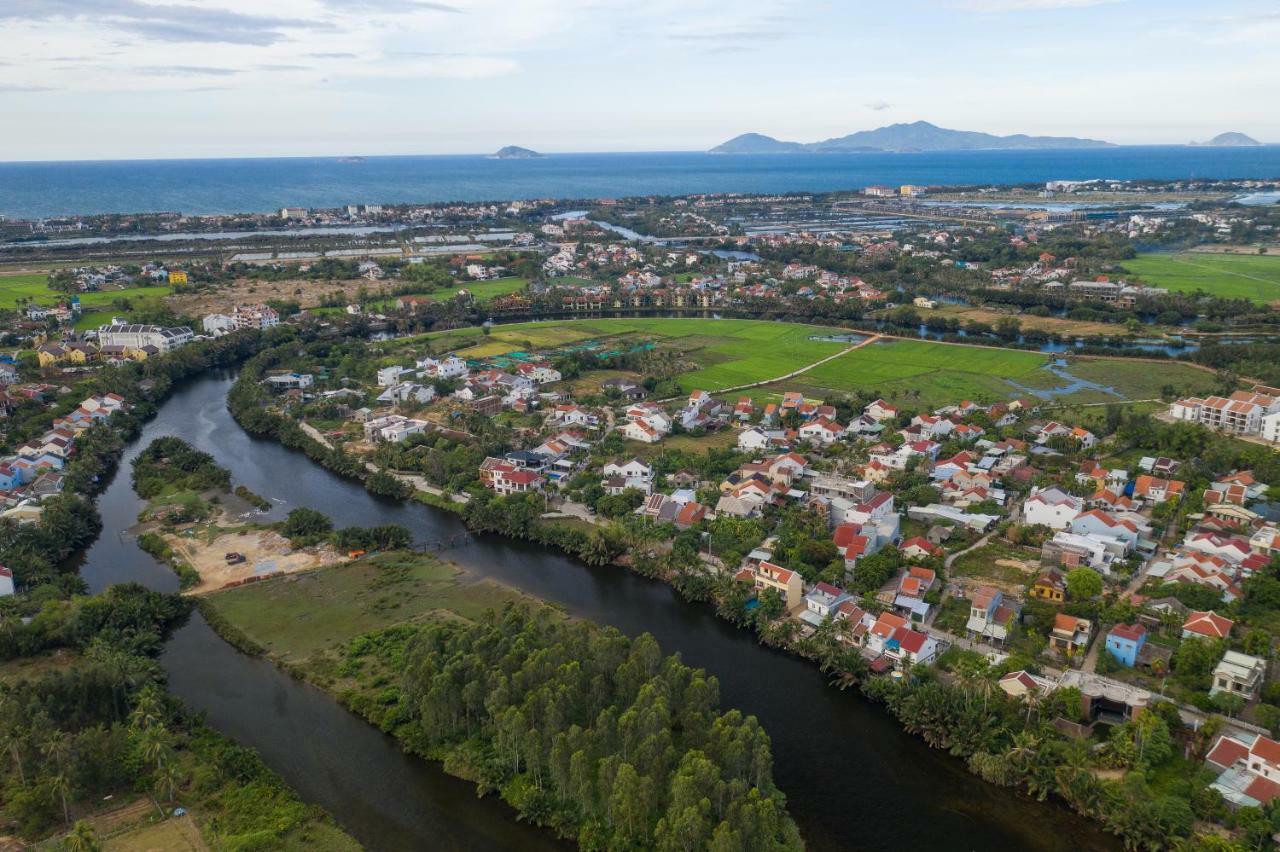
854,779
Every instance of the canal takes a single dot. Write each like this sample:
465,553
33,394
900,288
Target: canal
853,778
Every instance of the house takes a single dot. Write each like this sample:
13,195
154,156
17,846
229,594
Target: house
1022,683
1207,625
908,647
1250,769
690,514
821,431
1239,674
6,582
753,439
990,618
821,603
1070,634
881,410
618,477
571,414
1096,522
785,582
919,547
640,430
390,376
1051,507
1156,490
1124,641
506,478
1049,586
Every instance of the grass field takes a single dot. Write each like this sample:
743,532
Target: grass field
481,291
933,373
1233,276
298,616
35,288
727,352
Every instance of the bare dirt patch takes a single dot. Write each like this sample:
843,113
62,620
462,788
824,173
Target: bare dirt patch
266,553
243,291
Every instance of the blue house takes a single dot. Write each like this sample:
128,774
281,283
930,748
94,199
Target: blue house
1125,641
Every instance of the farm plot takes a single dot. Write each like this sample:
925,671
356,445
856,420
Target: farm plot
933,373
1230,276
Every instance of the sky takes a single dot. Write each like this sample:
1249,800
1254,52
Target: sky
131,79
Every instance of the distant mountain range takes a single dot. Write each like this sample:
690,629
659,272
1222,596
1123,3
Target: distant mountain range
514,152
1229,140
916,136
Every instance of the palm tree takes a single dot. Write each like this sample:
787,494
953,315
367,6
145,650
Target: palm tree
82,838
167,779
60,785
13,741
147,710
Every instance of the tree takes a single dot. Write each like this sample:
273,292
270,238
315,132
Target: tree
82,838
1083,584
306,525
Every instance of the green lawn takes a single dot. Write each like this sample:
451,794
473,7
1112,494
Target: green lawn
297,616
1236,276
481,291
35,287
726,352
933,373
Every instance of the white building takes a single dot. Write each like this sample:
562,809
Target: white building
1051,507
219,324
133,336
449,367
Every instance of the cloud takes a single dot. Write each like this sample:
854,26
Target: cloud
879,105
1028,5
17,88
189,71
270,66
160,21
332,56
392,6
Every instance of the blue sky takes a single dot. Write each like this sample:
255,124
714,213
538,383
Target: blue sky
101,79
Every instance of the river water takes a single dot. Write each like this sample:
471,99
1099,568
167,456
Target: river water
853,778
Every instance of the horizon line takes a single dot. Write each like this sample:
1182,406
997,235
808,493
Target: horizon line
541,154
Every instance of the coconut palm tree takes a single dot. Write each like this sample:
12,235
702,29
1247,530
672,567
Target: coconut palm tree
82,838
60,786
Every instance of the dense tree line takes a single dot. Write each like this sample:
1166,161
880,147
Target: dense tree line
589,732
103,727
172,463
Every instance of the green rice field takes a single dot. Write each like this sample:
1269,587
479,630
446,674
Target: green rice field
934,373
727,352
731,353
35,287
1232,276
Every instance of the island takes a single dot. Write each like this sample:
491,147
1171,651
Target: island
1232,139
916,136
514,152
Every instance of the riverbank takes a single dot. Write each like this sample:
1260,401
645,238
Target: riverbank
840,663
334,758
506,693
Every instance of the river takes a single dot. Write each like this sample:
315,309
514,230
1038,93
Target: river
853,778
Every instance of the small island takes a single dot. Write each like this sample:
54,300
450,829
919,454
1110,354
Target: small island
514,152
1229,140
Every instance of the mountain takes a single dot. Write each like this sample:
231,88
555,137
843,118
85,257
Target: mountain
514,152
1230,140
917,136
757,143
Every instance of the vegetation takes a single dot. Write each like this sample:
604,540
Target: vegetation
583,730
1228,276
103,727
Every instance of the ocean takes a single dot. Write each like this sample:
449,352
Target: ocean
33,190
